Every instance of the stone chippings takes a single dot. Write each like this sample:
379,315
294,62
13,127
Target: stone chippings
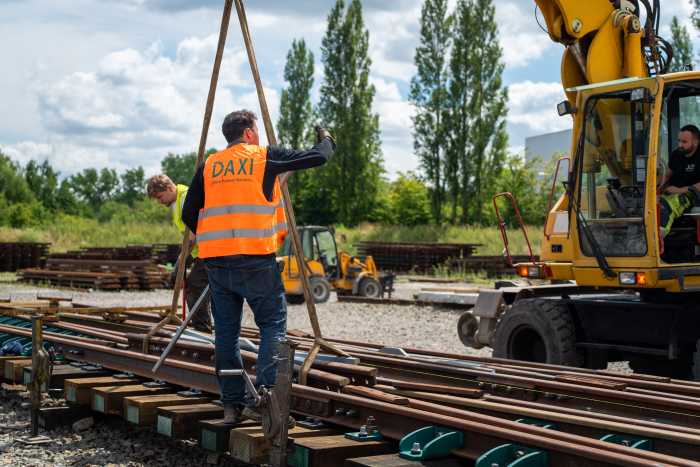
109,442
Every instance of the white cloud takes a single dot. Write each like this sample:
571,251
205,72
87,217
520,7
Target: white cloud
532,105
137,106
395,123
521,38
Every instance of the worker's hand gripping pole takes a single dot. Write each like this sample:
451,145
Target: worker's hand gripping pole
319,342
185,248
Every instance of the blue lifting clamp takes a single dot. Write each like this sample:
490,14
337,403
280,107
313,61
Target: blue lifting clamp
368,432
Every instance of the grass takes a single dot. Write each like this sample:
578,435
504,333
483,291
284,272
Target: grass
70,233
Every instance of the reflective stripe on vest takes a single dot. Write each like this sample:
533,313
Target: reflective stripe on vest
239,209
242,233
236,217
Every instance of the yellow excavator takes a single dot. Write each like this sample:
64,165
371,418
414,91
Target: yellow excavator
329,269
618,289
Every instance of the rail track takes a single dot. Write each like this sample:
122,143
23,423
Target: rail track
489,403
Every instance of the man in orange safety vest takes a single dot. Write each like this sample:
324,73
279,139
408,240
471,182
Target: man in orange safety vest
235,207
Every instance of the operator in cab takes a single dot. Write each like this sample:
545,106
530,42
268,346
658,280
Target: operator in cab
681,185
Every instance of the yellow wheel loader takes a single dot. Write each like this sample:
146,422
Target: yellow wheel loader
329,269
624,286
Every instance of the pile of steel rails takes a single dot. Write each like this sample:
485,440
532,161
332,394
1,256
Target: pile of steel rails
427,257
415,256
99,274
161,253
421,404
18,255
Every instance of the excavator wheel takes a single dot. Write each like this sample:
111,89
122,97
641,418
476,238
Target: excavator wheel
370,287
320,289
537,330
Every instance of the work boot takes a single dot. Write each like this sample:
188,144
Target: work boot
253,414
232,414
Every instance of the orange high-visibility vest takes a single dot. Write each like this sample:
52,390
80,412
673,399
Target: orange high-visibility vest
236,218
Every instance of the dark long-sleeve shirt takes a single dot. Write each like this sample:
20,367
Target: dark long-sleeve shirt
279,160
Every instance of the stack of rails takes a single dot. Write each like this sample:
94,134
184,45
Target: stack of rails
93,269
418,257
18,255
166,253
571,416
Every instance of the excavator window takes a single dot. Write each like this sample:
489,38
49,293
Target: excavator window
612,172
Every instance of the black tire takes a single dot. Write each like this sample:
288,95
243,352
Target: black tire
295,299
320,289
466,328
538,330
679,369
370,287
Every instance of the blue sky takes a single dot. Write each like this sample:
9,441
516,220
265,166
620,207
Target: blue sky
120,83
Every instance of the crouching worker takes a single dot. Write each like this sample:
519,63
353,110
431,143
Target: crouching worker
162,189
235,206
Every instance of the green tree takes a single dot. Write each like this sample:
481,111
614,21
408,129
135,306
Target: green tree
43,181
180,167
351,178
682,46
520,178
296,111
410,201
14,187
93,187
294,125
429,96
132,187
477,138
67,201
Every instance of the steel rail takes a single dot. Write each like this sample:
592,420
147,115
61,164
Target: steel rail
483,432
666,439
490,432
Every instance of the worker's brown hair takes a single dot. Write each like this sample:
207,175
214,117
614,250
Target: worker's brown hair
236,122
158,184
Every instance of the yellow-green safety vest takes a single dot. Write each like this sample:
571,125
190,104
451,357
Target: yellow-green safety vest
177,214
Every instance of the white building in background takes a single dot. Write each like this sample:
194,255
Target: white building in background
548,146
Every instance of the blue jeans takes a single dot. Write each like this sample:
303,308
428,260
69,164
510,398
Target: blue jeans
257,280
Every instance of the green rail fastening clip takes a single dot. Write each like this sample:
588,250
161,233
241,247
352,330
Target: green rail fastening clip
513,455
430,442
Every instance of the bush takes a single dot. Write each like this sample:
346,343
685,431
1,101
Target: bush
20,215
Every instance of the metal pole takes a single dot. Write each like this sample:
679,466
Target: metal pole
282,393
181,328
185,249
39,371
289,210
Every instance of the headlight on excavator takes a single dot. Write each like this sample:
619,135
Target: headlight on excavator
534,271
633,278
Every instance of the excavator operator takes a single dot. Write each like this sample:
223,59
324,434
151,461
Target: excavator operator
682,179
